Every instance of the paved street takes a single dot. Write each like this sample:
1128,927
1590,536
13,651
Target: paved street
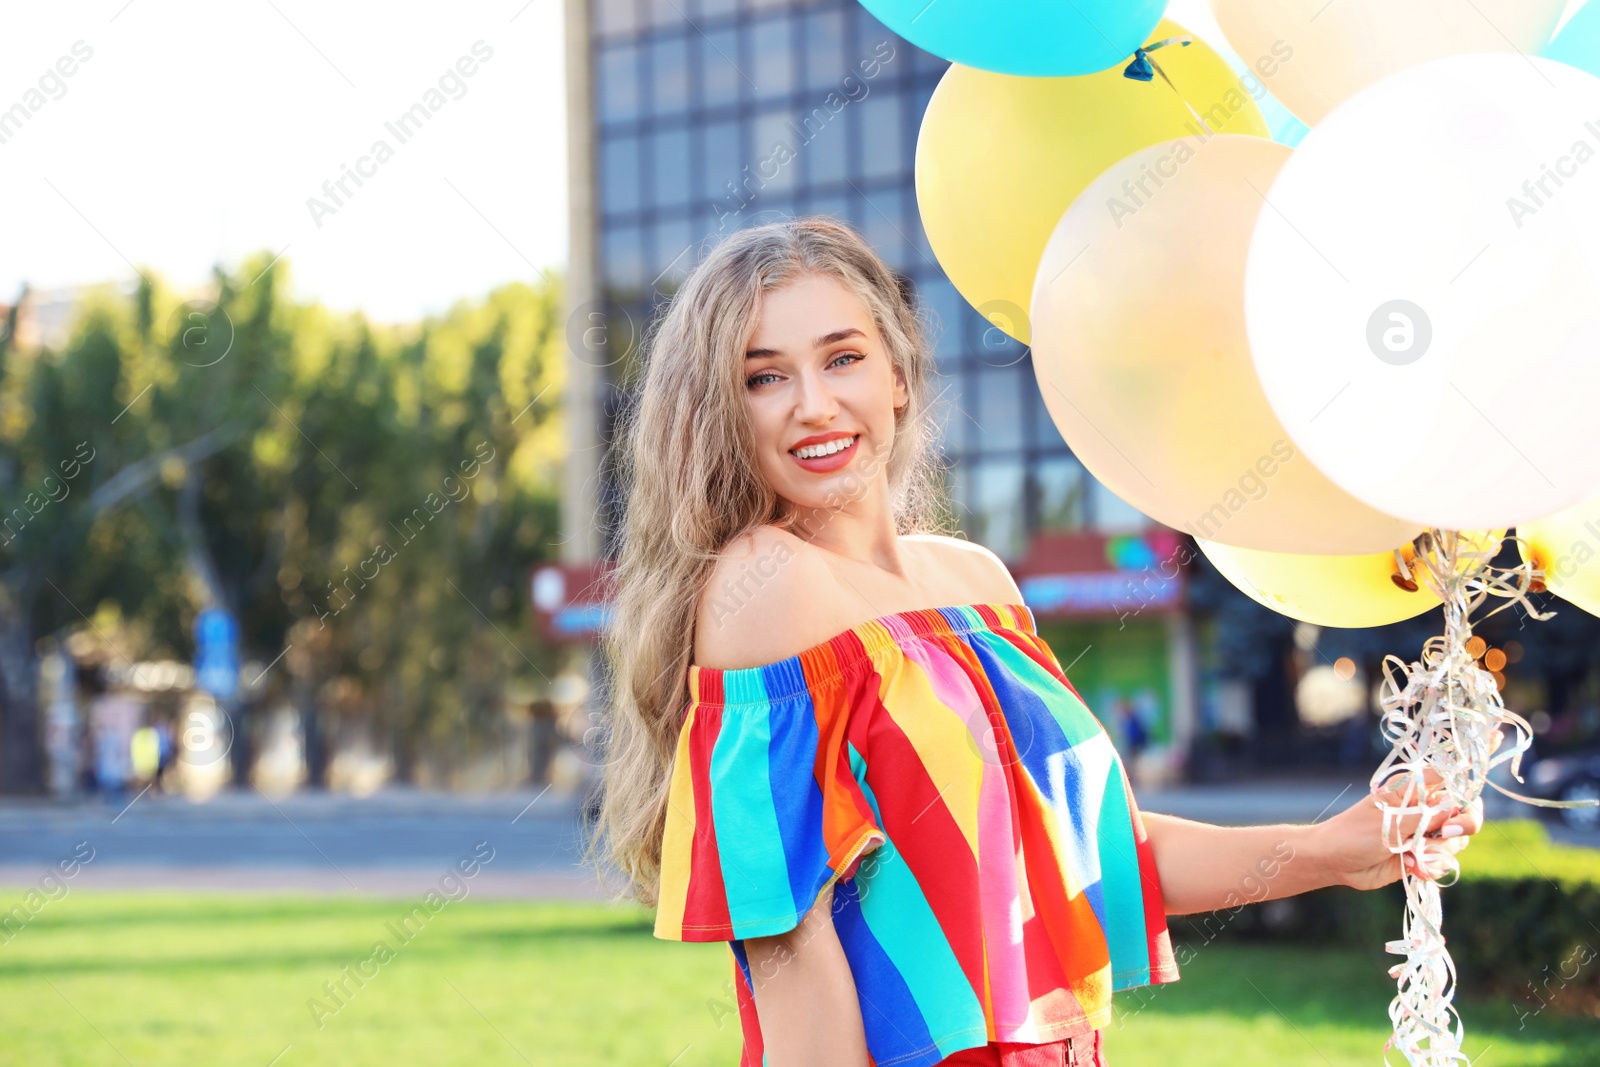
402,841
398,842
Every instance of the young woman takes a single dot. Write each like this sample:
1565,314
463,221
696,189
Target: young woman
839,743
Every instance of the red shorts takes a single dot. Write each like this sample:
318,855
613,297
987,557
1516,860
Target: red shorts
1083,1050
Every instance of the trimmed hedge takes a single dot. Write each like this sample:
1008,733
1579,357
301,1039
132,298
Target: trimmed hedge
1523,920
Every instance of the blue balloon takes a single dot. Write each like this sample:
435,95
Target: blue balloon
1578,43
1040,38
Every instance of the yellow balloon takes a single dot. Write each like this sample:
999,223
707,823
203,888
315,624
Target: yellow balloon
1344,591
1341,591
1143,361
1312,55
1566,546
1000,157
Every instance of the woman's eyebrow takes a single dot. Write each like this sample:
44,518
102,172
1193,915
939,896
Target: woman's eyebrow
822,342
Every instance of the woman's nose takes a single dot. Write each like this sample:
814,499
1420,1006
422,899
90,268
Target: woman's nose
816,397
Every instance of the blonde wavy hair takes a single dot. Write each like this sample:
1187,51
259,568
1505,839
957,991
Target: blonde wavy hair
687,471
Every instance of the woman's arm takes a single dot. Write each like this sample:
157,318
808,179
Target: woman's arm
1203,867
806,994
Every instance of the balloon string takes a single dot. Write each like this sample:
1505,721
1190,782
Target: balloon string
1442,714
1144,54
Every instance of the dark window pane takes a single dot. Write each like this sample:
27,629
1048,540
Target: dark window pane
720,160
1044,436
995,497
669,75
885,228
669,168
1112,513
720,70
772,58
825,135
618,89
999,410
991,338
948,308
776,151
674,254
619,175
883,134
834,206
1063,486
623,249
825,64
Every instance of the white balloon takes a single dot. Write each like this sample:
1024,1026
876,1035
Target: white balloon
1423,291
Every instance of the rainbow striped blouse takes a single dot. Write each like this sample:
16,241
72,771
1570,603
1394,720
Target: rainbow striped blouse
993,880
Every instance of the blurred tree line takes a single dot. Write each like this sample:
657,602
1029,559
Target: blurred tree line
366,500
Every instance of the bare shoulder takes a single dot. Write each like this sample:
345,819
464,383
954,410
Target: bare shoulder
983,572
761,601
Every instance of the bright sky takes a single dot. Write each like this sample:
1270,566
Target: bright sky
195,133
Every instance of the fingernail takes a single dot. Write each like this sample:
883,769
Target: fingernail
1452,831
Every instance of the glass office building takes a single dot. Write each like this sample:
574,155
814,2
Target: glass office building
692,118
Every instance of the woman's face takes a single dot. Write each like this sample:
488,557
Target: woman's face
817,373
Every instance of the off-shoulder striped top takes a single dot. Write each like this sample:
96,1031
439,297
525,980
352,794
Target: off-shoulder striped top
993,880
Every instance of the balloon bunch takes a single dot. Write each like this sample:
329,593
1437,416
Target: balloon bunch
1347,361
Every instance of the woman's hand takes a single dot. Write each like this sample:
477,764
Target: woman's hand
1356,853
1353,840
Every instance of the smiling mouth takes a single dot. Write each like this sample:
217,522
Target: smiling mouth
838,444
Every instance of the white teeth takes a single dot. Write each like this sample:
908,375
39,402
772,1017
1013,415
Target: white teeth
826,449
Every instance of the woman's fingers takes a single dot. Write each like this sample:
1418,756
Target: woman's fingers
1434,866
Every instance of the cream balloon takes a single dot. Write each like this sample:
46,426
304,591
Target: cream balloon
1423,295
1343,591
1314,54
1140,350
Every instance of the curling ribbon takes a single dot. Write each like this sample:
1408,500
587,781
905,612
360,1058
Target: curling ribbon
1442,714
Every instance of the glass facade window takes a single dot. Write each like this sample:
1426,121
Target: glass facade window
883,132
721,157
776,151
884,227
825,51
619,83
1061,489
994,492
722,78
772,57
619,174
1110,513
622,250
669,169
669,75
999,408
825,142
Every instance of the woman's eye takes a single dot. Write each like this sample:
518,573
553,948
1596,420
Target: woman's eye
756,379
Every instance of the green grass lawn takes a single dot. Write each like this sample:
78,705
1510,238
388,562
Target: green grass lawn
158,978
